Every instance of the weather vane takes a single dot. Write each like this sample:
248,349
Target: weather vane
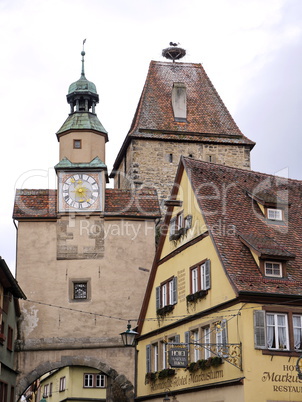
83,54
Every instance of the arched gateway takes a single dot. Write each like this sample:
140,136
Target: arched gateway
119,387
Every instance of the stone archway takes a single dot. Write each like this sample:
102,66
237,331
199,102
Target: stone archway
120,382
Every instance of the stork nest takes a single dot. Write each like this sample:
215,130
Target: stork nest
173,53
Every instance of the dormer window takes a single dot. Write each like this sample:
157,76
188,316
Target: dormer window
179,102
274,214
272,268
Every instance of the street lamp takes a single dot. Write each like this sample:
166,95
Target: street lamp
128,337
166,398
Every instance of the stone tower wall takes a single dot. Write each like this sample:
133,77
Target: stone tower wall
153,163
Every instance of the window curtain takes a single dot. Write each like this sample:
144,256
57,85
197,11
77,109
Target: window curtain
297,332
270,331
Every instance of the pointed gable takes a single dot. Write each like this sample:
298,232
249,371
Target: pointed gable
204,117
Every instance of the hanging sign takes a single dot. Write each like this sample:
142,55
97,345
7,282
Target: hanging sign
178,357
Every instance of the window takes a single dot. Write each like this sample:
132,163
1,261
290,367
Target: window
207,341
77,144
273,268
50,389
221,337
3,391
80,290
94,381
277,330
10,335
195,336
155,356
188,222
274,214
201,277
176,224
164,354
45,391
62,386
12,394
88,380
148,359
297,325
2,331
166,293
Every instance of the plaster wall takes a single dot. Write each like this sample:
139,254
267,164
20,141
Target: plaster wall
92,145
52,320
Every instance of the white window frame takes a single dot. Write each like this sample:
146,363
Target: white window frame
207,341
274,214
201,277
273,267
194,279
94,380
46,391
275,329
164,355
100,381
88,380
62,384
166,293
196,340
221,338
297,331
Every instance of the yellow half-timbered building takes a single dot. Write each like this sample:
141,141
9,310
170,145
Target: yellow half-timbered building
222,315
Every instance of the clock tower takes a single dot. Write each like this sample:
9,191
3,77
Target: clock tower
82,171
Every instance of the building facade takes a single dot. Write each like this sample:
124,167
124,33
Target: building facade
179,114
73,384
83,256
10,293
222,316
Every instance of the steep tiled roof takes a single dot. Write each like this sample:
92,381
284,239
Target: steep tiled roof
237,224
208,120
32,204
35,204
134,203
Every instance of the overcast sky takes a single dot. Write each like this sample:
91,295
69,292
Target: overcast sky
251,50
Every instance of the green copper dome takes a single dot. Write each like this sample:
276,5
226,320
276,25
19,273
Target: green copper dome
82,85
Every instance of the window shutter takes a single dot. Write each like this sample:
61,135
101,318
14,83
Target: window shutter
187,338
148,358
174,301
259,329
157,297
177,339
207,275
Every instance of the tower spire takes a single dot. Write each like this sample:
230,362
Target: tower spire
83,54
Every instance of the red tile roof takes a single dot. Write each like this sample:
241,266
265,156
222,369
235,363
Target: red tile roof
231,214
208,120
32,204
35,204
132,203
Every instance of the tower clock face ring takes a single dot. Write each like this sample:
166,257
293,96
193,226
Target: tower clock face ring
80,191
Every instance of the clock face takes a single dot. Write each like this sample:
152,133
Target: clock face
80,191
